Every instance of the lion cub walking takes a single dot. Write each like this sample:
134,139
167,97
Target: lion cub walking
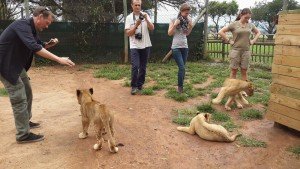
207,131
93,111
235,89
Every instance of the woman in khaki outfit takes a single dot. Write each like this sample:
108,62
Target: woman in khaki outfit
240,52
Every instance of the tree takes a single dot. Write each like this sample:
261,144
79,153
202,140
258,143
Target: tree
8,9
264,13
217,10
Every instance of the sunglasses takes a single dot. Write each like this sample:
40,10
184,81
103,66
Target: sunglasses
46,9
137,5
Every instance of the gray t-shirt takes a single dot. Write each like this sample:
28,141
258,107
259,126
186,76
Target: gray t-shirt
241,35
179,37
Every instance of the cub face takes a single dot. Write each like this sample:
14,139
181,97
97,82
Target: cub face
250,89
83,93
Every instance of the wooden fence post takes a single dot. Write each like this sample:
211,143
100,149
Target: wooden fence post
223,50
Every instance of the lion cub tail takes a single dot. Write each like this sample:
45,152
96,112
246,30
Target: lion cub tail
233,137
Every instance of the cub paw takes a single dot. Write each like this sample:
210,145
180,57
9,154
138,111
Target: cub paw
179,128
97,147
227,108
215,101
114,150
82,135
240,106
246,102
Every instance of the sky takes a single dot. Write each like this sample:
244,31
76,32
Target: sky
165,13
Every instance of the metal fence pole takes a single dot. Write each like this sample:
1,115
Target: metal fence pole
205,31
26,5
285,5
125,36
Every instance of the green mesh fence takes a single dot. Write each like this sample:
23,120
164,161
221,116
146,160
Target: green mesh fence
104,43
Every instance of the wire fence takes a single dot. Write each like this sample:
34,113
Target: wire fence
104,42
262,51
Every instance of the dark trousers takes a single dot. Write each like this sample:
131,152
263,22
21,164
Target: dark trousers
139,58
180,55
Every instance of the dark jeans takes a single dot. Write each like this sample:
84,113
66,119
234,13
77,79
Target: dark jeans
139,58
180,55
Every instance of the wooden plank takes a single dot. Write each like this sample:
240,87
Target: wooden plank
288,29
285,91
286,60
286,80
287,50
287,40
284,110
285,120
289,19
295,11
286,70
287,101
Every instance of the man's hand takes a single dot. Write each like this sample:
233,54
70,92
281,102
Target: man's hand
138,22
52,42
66,61
252,42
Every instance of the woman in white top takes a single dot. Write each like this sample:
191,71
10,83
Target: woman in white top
179,28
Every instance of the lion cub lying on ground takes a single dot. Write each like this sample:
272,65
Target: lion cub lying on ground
93,111
211,132
235,89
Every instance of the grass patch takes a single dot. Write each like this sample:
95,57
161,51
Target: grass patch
230,125
164,76
251,142
222,117
180,97
251,114
3,92
206,108
147,91
184,116
295,150
112,72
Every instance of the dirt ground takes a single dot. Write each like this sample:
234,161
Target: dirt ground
143,124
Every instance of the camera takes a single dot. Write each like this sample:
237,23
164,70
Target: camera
138,36
183,21
141,17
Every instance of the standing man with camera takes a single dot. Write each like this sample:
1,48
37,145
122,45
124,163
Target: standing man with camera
137,27
18,42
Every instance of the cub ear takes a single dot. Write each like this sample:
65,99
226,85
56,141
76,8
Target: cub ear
78,92
206,116
91,90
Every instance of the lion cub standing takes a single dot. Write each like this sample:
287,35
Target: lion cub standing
93,111
234,88
207,131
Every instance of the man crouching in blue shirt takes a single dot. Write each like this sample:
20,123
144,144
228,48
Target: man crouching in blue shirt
18,42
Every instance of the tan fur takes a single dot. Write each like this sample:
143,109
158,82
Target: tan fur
235,89
94,112
207,131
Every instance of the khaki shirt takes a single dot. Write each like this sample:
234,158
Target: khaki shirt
241,35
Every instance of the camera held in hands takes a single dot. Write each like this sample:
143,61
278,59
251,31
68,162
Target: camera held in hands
138,36
141,16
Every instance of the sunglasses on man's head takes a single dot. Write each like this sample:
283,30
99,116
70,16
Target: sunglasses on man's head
46,9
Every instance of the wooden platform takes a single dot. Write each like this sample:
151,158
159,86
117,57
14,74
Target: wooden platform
284,103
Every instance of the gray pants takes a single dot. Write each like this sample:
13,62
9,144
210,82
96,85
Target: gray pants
20,96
